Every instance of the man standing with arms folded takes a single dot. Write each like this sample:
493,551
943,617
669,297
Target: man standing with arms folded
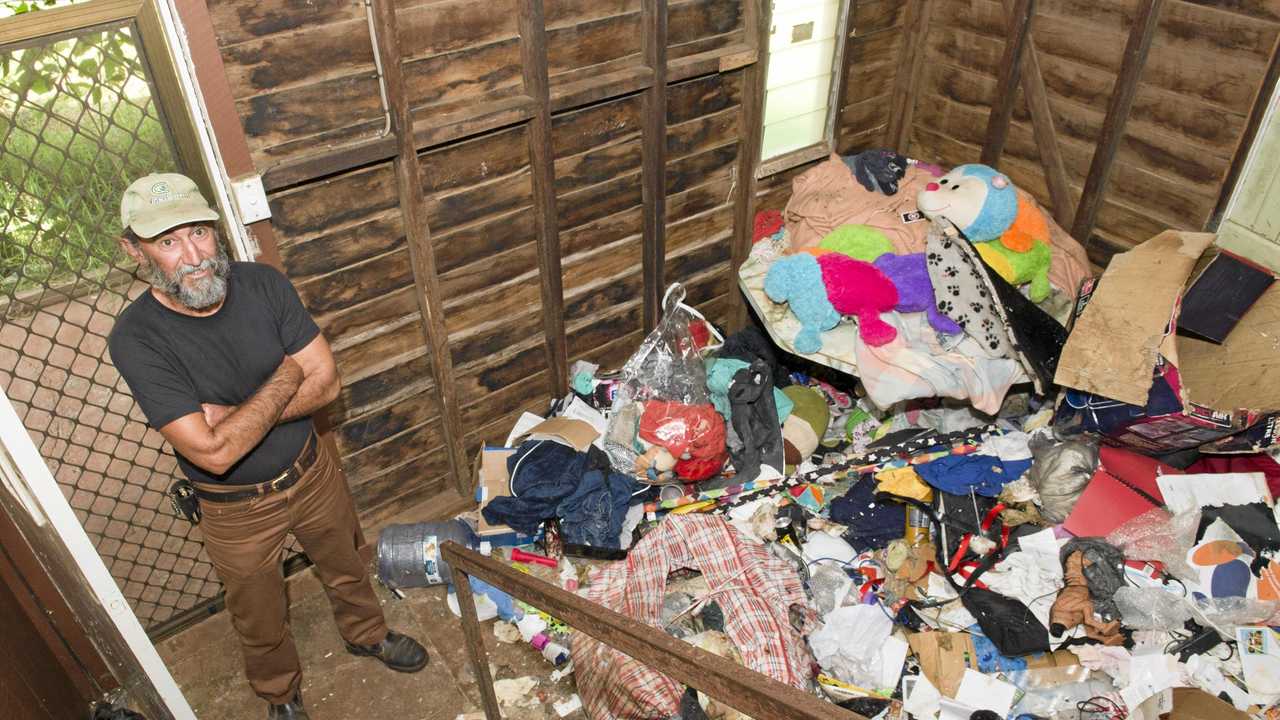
227,364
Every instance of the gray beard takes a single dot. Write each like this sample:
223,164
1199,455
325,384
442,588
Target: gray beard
205,293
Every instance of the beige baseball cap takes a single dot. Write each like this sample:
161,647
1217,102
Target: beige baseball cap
160,201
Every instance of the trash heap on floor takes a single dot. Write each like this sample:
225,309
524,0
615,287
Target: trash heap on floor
940,504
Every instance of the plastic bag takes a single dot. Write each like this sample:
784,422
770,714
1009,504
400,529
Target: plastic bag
1060,473
1151,608
1156,536
662,400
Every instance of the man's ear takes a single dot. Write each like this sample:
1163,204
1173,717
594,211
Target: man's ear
133,251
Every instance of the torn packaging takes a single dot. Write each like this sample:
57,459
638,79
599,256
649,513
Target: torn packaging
1123,329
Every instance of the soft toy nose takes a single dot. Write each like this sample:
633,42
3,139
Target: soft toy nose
932,186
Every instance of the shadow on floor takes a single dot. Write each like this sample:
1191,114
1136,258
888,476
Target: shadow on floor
206,663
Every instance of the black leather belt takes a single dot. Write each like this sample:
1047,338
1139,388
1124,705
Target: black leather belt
283,481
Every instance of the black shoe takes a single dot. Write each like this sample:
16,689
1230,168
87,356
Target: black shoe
291,710
398,652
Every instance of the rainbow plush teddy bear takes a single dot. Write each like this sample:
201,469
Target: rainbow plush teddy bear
985,206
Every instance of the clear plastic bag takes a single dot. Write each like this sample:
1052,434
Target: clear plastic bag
1151,608
1157,536
668,368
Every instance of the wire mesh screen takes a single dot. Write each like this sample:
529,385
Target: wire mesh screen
78,122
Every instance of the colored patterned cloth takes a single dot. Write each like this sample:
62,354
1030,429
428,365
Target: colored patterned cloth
755,590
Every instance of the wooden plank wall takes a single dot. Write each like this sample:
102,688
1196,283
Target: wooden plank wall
1207,62
308,95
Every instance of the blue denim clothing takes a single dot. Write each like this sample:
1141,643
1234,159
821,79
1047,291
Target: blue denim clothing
593,514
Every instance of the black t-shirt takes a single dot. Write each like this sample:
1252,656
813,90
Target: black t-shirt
174,362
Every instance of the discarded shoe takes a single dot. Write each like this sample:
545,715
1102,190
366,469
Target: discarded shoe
398,652
291,710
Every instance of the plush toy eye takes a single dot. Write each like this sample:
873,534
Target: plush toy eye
944,181
955,187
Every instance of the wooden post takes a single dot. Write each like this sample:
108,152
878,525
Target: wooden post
1015,42
475,643
910,64
533,55
751,124
1121,102
1055,170
653,182
413,208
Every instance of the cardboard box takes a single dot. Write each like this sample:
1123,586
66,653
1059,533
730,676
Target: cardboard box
1163,391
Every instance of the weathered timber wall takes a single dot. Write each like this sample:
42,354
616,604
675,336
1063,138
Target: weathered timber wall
307,92
1195,96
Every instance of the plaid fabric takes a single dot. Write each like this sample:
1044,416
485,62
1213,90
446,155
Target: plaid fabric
754,589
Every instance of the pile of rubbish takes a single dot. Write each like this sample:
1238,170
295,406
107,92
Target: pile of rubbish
1099,539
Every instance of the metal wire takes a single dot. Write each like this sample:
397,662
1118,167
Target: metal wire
77,123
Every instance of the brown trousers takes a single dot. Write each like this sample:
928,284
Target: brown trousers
245,540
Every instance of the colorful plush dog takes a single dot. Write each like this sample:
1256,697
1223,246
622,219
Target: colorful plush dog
915,290
1020,268
821,289
797,281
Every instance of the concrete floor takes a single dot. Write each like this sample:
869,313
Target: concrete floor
206,663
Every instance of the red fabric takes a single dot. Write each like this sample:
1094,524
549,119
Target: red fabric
1256,462
687,431
700,468
756,590
700,332
768,222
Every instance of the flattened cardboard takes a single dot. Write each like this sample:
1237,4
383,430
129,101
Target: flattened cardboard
493,482
1243,373
944,656
1113,344
1115,340
1196,704
578,434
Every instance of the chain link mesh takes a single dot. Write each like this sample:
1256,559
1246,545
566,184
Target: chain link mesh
77,123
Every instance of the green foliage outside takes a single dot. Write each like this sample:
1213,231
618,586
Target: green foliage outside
77,124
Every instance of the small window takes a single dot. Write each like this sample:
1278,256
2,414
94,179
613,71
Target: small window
804,43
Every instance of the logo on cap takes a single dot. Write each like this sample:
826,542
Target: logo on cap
160,188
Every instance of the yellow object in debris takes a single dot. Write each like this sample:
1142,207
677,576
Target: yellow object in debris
694,507
904,482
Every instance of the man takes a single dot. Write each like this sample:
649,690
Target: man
227,364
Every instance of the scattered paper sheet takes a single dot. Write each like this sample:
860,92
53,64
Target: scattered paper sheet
1183,493
984,692
892,655
1148,675
578,409
920,698
1259,652
1043,546
526,422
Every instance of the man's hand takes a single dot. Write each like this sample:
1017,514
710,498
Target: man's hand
214,414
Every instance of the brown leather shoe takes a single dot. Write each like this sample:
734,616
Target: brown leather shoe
398,652
291,710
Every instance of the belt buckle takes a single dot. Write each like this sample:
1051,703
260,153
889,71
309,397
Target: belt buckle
274,483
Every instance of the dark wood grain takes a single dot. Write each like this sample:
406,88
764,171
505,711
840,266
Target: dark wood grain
653,119
910,63
1135,57
1015,45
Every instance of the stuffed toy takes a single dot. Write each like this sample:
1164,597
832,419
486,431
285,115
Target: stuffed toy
984,205
859,288
910,275
1019,268
797,281
806,425
878,170
860,242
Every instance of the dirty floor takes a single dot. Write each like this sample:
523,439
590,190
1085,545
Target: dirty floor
206,663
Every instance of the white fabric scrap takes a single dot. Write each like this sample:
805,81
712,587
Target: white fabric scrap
922,699
1184,493
1008,447
850,642
985,692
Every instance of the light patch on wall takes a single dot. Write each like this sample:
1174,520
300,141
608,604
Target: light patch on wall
802,32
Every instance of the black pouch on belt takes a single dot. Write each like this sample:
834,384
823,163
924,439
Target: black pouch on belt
185,503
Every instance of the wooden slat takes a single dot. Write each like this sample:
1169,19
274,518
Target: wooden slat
589,90
758,695
1015,44
413,205
474,74
442,27
910,63
53,21
1265,92
1046,137
1135,57
653,117
694,20
535,63
593,42
757,17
